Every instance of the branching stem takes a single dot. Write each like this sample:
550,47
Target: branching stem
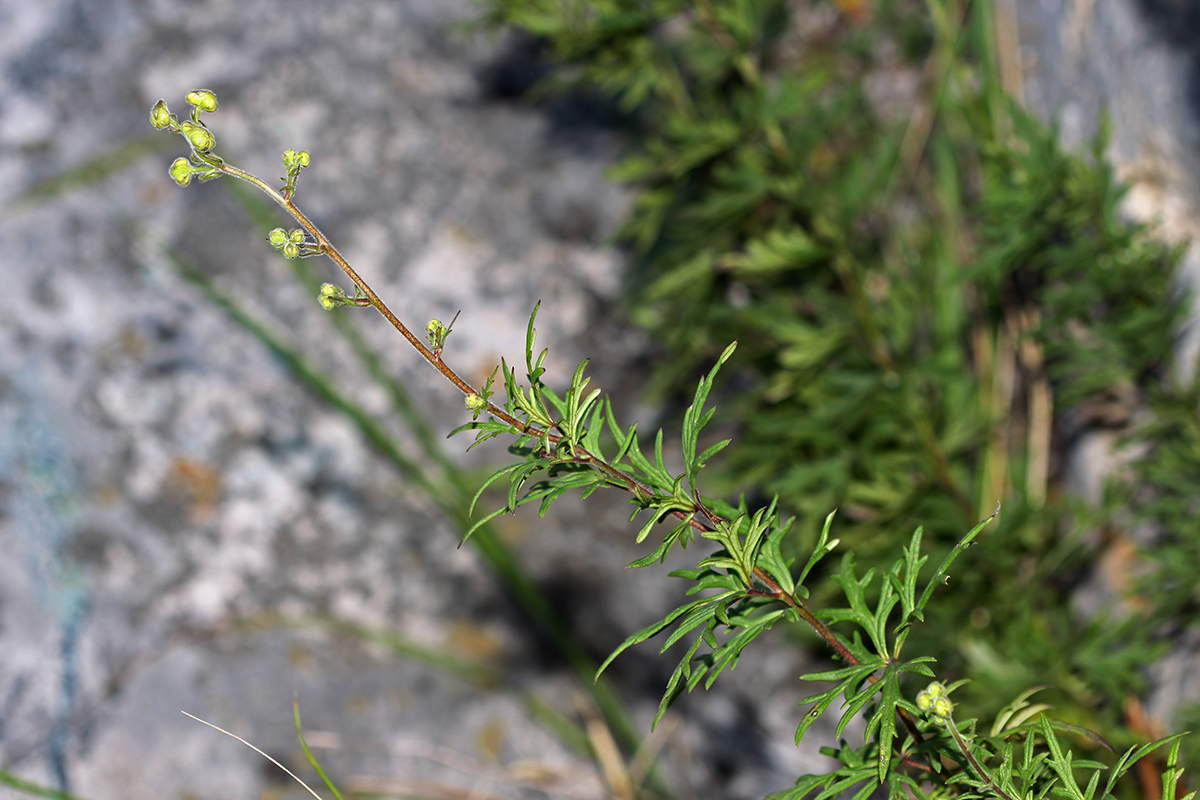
699,517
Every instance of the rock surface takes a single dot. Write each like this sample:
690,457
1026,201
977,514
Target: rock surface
169,492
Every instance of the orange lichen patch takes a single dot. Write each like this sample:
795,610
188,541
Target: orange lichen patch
195,485
1149,770
359,704
490,739
1118,562
300,657
857,11
470,640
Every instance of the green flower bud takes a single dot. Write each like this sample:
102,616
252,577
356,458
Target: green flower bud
475,402
160,115
203,99
943,708
433,326
198,136
278,238
181,171
291,250
930,695
331,296
293,159
297,236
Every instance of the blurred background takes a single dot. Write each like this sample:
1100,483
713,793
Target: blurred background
217,498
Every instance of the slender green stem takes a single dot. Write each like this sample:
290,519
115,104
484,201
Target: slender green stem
965,749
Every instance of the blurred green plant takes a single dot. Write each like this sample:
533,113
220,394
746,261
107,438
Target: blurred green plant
746,583
934,301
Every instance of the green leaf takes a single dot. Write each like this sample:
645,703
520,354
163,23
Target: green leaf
846,678
695,418
656,473
1135,754
886,715
1018,712
820,703
495,476
941,577
770,557
823,548
913,561
702,615
780,250
682,670
1173,772
650,630
312,760
1060,762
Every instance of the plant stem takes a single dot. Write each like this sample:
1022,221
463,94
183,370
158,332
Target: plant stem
698,517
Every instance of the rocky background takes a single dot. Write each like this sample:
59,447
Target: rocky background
170,495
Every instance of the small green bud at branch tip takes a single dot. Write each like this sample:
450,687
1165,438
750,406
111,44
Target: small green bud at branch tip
203,99
160,115
475,402
181,171
293,159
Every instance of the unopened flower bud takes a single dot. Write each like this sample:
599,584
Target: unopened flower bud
942,707
297,236
203,99
293,159
198,136
181,171
278,238
475,402
291,250
160,115
331,296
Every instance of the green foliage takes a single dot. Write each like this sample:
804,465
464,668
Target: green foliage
929,307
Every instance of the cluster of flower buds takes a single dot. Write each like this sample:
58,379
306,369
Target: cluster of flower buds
293,162
934,701
203,164
294,243
437,331
332,296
